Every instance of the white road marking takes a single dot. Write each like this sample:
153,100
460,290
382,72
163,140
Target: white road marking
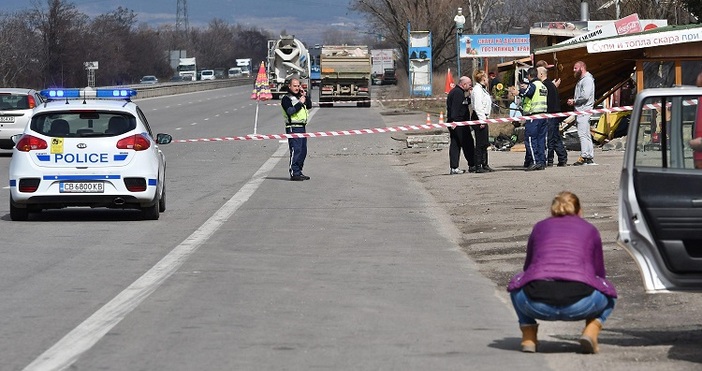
67,350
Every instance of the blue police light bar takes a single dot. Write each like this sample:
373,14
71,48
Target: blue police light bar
88,93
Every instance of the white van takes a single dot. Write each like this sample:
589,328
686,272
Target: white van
235,72
207,75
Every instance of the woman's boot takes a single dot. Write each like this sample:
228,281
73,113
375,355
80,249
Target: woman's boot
588,341
529,338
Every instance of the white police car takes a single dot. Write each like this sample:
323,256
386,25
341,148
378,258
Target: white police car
660,196
91,148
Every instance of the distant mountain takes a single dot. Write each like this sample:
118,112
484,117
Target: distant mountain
307,19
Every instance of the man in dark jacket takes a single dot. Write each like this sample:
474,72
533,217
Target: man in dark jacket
457,110
554,140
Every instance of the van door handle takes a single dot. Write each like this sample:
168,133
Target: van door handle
697,203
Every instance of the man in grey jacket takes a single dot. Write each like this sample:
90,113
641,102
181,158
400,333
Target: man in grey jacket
584,100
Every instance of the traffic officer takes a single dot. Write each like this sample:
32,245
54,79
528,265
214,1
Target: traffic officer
534,101
296,106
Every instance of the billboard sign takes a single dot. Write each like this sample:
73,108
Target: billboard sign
420,63
478,46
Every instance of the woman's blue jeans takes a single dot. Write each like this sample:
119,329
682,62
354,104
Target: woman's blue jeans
597,305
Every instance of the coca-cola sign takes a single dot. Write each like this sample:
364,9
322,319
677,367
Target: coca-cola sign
628,24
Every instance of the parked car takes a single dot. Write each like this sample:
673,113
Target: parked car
235,72
660,189
16,107
207,75
220,73
89,148
149,79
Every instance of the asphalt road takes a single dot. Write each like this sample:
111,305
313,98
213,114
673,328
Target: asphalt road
358,268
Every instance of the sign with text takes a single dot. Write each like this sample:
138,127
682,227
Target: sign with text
420,63
646,40
602,29
478,46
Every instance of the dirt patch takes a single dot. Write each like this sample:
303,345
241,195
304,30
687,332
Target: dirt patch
495,213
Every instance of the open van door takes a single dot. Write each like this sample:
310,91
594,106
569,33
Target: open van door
660,200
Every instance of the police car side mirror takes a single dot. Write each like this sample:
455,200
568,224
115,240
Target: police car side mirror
162,138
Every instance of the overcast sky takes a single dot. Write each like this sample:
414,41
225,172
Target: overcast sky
307,19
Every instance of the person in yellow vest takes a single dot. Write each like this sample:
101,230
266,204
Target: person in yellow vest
534,101
296,106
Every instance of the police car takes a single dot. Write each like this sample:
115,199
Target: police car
660,199
90,148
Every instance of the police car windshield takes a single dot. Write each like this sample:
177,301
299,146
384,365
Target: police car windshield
83,124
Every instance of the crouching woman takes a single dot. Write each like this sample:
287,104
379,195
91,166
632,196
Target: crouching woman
564,276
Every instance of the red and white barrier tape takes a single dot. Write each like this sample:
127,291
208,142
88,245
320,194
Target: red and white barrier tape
394,129
371,100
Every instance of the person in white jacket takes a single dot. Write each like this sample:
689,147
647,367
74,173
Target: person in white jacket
482,106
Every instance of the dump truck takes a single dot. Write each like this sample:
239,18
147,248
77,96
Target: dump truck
287,58
345,75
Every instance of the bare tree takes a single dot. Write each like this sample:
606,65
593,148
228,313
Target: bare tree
390,18
215,45
61,28
251,43
22,60
695,8
109,40
146,53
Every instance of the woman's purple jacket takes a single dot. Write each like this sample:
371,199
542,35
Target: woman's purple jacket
564,248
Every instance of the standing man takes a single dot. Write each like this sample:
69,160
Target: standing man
584,100
534,101
554,141
482,105
295,106
457,109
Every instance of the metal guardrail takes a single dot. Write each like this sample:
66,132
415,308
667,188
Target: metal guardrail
171,88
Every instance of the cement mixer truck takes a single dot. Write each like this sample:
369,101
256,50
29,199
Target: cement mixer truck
287,58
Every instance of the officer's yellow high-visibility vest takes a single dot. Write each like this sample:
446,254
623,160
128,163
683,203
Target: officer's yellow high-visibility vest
537,103
299,118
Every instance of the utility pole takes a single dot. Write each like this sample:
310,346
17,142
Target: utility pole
182,26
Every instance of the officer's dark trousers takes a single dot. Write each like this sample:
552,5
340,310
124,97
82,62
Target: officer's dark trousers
535,142
298,150
461,139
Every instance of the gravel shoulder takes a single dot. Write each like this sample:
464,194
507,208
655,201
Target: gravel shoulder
495,212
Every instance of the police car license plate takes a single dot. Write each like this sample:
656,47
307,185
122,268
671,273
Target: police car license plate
7,118
82,187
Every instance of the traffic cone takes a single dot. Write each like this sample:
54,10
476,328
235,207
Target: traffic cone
441,118
428,119
449,82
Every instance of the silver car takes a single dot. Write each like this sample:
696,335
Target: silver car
660,199
16,107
